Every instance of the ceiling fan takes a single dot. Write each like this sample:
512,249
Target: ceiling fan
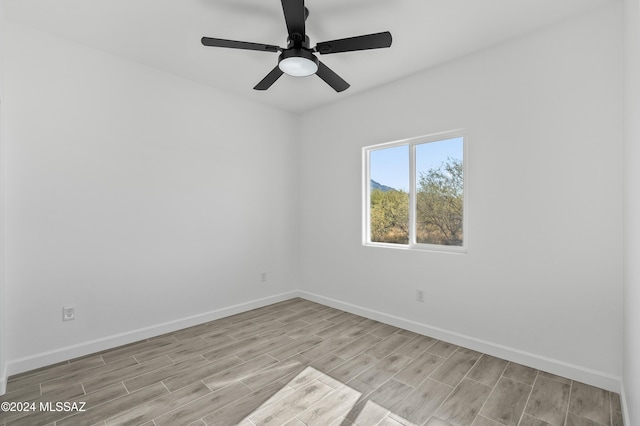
298,58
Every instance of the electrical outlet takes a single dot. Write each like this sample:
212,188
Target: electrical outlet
263,277
420,295
68,313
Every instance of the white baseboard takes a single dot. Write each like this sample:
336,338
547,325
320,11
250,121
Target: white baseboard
560,368
625,408
3,380
58,355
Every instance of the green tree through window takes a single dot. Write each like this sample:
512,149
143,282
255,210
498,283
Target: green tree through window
390,216
439,205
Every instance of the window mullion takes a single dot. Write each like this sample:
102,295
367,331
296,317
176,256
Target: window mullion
412,194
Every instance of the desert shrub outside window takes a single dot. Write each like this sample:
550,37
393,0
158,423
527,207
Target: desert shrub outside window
415,193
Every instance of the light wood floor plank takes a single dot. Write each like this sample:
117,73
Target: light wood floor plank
144,380
416,346
114,407
422,403
357,346
159,406
549,401
464,403
506,402
383,370
115,376
590,402
288,407
55,385
443,349
415,372
199,373
238,372
203,406
488,370
454,368
241,409
352,368
262,377
331,408
377,405
387,346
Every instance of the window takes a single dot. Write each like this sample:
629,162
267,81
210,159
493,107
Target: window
414,193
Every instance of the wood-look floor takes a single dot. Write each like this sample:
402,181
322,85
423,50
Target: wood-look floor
301,363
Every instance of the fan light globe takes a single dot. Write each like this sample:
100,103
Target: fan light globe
298,66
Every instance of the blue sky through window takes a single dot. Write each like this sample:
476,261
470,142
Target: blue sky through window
390,166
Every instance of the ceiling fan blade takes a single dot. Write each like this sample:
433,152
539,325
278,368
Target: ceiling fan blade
294,16
364,42
232,44
269,79
331,78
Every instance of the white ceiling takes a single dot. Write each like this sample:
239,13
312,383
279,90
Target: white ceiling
166,34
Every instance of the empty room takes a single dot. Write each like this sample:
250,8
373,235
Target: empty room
303,212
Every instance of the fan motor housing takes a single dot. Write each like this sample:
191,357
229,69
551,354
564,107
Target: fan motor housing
297,70
298,53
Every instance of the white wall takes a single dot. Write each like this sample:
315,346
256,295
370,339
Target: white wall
542,280
141,198
3,363
632,213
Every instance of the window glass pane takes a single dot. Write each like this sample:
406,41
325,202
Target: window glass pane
389,208
439,192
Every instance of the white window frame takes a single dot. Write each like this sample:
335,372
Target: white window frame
412,143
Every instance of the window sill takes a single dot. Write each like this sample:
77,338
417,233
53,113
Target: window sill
421,247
